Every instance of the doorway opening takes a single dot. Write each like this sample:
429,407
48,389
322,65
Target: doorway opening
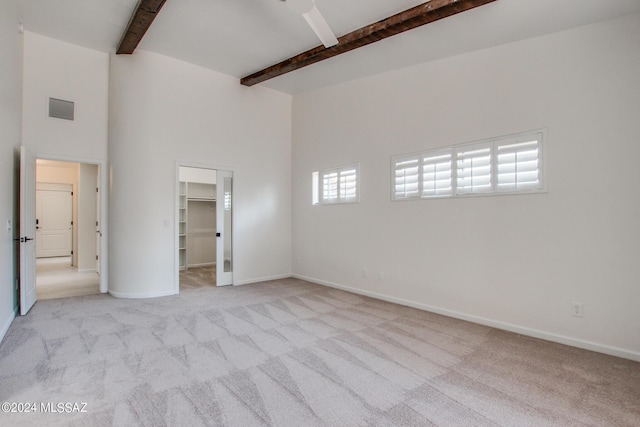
204,227
67,235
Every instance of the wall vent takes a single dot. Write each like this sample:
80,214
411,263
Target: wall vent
60,109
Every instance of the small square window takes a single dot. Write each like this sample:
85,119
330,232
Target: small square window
335,185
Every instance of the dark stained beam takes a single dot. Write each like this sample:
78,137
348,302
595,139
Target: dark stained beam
404,21
141,20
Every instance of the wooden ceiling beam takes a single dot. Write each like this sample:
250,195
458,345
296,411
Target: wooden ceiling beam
141,20
417,16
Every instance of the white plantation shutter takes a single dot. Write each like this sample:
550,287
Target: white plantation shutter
348,185
330,186
519,164
473,169
406,177
336,185
437,174
510,164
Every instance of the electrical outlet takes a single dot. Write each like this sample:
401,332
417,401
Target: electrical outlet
577,309
363,273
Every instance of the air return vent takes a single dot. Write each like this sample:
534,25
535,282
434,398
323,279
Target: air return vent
60,109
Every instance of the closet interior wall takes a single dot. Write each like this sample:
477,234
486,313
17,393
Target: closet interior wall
197,222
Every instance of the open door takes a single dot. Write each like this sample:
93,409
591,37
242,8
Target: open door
224,211
98,220
28,293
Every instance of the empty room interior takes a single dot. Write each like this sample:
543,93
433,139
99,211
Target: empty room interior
305,212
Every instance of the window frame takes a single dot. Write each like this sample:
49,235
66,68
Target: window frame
494,144
318,186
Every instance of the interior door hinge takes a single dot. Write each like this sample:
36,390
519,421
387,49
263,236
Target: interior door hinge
96,257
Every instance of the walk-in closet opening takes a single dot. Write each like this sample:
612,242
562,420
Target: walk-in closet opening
67,237
204,227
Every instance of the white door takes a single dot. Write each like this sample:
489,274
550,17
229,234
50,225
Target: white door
98,222
27,230
53,220
224,211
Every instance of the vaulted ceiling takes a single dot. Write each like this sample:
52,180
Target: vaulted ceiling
239,37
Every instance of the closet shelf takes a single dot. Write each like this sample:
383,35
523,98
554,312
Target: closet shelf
182,223
201,199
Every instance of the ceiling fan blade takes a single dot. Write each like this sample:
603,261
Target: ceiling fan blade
314,18
317,23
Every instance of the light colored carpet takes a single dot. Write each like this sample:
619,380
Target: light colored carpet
290,353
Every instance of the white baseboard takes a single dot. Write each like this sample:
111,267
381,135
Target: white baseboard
127,295
7,325
87,270
261,279
523,330
205,264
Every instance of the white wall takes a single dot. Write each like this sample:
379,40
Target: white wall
56,69
165,112
10,139
516,262
61,70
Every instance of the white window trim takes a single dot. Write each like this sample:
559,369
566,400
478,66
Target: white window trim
318,186
493,143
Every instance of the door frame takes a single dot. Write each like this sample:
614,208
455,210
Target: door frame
104,224
176,215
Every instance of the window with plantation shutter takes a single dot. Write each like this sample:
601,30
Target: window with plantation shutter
509,164
348,179
330,187
407,175
335,185
518,162
473,169
436,174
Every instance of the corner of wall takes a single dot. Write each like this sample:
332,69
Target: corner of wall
11,57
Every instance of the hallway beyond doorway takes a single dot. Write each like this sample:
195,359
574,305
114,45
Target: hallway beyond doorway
56,278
